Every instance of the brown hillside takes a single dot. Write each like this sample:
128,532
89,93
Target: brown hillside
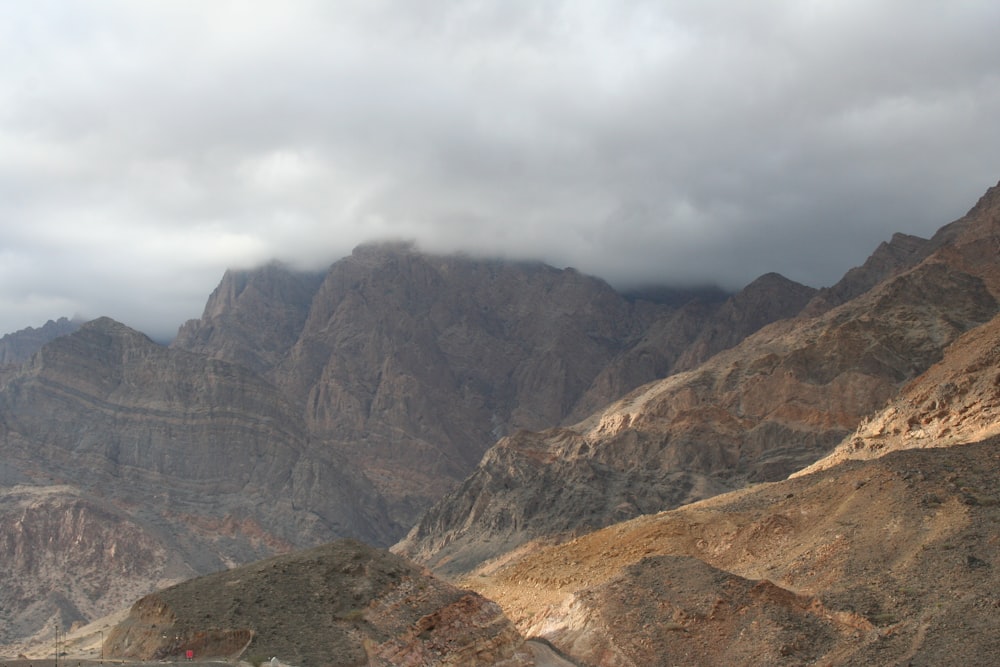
956,401
889,561
46,532
339,604
777,402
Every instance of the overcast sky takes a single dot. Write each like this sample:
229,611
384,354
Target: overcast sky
147,145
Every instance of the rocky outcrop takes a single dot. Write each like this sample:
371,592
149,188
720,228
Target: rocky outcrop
681,607
46,532
770,298
339,604
692,334
253,317
18,347
777,402
957,401
900,253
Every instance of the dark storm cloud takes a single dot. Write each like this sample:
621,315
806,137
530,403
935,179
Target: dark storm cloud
145,147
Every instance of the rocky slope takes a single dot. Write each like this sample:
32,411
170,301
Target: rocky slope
187,464
412,365
777,402
47,532
955,402
888,561
339,604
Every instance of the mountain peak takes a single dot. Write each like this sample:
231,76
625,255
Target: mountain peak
18,346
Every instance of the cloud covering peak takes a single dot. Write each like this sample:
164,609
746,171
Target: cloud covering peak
145,147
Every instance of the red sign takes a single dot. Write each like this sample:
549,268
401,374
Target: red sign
190,654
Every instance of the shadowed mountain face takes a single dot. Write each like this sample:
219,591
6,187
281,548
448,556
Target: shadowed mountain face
778,401
109,411
411,366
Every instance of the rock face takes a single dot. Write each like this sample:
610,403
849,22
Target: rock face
187,463
957,401
693,333
339,604
780,400
46,532
109,410
891,258
888,561
411,366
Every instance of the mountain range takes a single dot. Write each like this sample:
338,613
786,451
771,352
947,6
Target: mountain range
596,462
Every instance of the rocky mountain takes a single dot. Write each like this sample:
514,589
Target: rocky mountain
957,401
781,399
302,407
18,347
188,464
342,603
411,365
891,561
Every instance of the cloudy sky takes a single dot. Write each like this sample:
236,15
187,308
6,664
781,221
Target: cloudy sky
146,146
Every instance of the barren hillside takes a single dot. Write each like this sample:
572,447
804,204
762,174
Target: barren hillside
888,561
777,402
339,604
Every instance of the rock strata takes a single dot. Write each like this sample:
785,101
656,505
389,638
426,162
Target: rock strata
777,402
411,365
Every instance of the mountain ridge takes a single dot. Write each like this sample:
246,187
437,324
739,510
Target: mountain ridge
781,399
370,388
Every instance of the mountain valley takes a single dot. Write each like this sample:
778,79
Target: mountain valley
779,476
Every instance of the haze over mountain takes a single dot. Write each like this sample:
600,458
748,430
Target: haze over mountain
307,406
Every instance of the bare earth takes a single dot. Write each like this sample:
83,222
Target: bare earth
891,561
